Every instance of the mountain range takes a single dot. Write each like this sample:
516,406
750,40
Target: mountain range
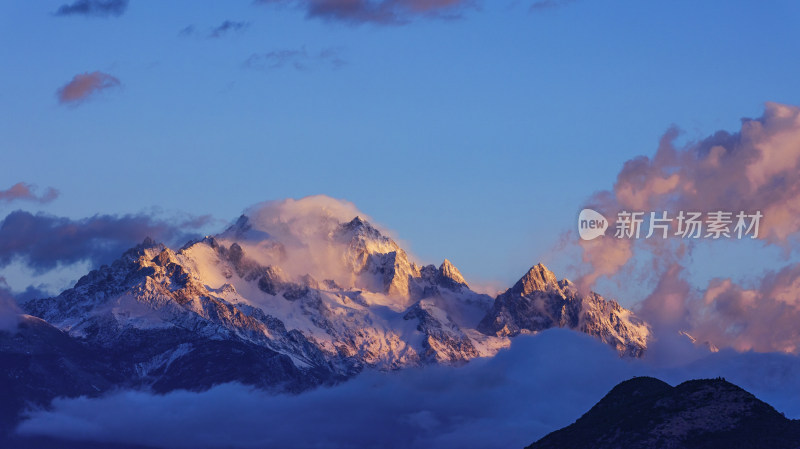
283,312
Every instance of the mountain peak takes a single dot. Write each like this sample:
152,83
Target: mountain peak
243,229
359,226
538,278
242,224
646,412
147,247
148,242
538,301
449,273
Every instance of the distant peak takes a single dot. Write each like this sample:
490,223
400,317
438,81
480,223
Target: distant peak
450,271
148,242
541,267
244,229
538,278
357,223
147,247
450,274
359,226
242,224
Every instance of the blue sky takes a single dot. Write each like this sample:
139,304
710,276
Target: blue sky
476,138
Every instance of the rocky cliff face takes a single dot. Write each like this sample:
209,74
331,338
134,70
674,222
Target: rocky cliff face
540,301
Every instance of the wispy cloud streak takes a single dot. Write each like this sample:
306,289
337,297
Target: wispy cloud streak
96,8
84,86
381,12
22,191
44,242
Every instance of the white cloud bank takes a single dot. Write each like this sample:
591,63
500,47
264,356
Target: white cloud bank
542,383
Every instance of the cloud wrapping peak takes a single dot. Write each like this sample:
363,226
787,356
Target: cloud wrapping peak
84,86
22,191
293,220
97,8
304,228
385,12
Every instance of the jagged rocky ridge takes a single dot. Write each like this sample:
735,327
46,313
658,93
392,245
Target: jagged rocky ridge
215,311
539,301
646,413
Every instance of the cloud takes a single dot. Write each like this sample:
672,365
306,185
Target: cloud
44,242
754,169
34,292
544,5
667,306
225,28
22,191
384,12
296,59
506,401
187,31
96,8
605,256
85,86
763,318
541,383
9,311
303,228
304,219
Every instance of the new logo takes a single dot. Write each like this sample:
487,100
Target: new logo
591,224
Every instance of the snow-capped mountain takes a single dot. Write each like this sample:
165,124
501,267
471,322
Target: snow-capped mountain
305,308
540,301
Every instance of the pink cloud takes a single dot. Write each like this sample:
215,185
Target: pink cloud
763,318
26,192
86,85
379,12
667,306
754,169
606,256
